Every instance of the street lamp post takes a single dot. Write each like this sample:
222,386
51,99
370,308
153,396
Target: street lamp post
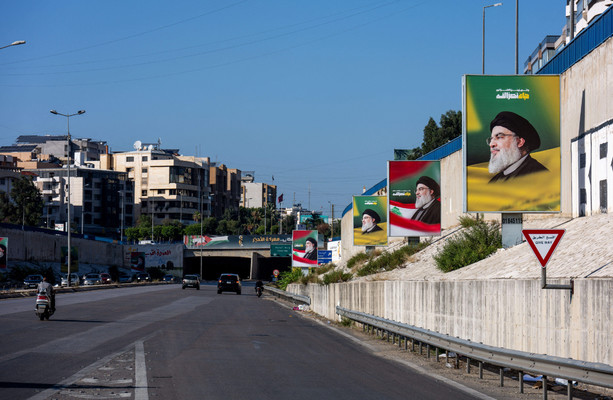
68,179
122,216
483,40
15,43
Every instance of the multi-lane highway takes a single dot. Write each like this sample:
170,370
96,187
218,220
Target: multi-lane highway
163,342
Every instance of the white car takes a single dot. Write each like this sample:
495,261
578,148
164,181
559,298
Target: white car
92,279
74,279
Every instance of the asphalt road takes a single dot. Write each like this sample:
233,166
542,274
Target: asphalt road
166,343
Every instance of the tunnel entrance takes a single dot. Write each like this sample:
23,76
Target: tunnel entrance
212,267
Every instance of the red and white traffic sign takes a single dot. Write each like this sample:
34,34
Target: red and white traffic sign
275,272
543,242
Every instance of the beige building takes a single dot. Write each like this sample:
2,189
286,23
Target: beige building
256,194
166,185
225,186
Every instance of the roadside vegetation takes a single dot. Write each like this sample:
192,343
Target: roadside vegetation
478,241
386,261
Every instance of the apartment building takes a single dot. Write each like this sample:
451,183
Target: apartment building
225,185
166,185
257,194
101,201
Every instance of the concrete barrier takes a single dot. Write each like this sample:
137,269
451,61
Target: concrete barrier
513,314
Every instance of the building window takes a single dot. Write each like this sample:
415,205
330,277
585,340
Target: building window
172,192
582,160
603,196
128,170
144,170
143,193
161,191
145,158
582,196
603,150
129,159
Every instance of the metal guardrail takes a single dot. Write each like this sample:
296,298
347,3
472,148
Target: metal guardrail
283,293
596,374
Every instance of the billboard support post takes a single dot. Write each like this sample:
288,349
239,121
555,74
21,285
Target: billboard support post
511,229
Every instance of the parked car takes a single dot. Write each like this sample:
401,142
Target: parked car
106,278
124,278
142,277
191,281
74,279
169,278
229,283
92,279
32,281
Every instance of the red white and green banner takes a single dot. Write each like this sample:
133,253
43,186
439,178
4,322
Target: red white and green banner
304,248
414,198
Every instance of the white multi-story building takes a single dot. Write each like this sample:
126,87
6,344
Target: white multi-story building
166,185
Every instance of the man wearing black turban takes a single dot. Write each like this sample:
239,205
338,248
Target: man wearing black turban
511,141
370,219
310,247
427,204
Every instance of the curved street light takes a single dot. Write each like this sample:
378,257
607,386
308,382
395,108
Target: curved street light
68,179
15,43
483,40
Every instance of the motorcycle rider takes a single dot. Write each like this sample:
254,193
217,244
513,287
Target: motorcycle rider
259,284
46,287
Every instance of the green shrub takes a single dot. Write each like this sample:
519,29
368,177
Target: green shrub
287,277
336,277
390,261
360,257
346,321
467,221
325,268
479,241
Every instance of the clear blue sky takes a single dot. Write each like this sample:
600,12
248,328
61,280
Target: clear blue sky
316,93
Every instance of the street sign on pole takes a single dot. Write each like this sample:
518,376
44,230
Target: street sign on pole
543,242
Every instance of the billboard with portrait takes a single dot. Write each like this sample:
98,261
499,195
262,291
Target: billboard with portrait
304,248
414,194
369,220
512,143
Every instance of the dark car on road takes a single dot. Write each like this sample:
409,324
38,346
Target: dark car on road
32,281
169,278
191,281
229,283
142,277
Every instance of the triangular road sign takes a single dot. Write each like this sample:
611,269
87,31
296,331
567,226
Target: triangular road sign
543,242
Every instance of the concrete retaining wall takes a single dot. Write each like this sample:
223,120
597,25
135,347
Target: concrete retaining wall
44,247
513,314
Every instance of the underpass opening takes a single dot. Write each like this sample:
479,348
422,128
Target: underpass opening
213,267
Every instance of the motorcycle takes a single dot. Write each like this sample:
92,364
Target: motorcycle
258,290
43,306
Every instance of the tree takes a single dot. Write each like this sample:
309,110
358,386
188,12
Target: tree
7,209
436,136
25,205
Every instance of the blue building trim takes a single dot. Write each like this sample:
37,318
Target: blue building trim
586,41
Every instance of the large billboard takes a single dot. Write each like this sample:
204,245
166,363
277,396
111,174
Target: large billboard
414,194
512,143
304,248
369,220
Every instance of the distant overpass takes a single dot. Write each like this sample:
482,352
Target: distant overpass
247,255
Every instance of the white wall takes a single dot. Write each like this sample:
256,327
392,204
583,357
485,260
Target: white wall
513,314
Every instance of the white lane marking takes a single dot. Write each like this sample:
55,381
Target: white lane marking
140,371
